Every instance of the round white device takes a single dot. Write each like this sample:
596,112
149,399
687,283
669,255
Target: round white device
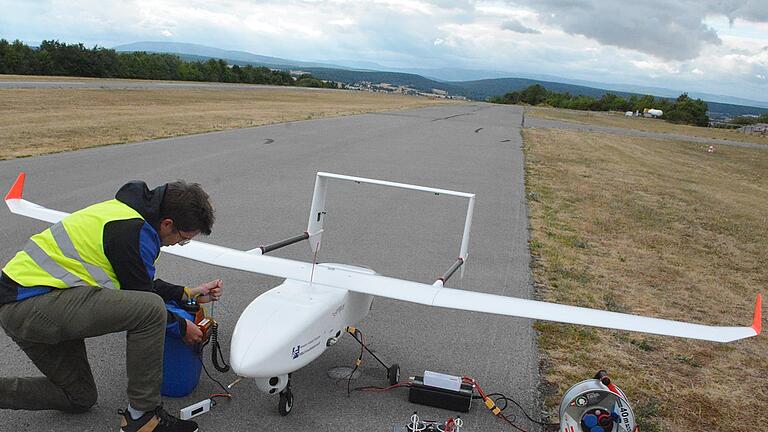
592,406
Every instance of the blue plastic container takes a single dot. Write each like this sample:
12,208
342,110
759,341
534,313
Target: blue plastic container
181,362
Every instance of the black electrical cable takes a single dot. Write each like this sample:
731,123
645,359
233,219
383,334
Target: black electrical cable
200,357
506,419
358,362
509,419
526,414
216,353
498,398
349,380
501,396
214,379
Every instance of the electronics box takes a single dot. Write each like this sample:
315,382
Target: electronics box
453,400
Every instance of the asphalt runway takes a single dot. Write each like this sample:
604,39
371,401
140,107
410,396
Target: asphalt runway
261,180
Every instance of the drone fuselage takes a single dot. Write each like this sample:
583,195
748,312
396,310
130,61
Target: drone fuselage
290,325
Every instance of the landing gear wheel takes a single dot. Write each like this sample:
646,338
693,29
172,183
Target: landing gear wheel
286,402
393,374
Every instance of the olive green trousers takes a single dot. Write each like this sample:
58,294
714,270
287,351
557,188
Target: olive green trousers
51,328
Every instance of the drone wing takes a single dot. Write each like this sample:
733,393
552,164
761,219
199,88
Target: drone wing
431,295
421,293
25,208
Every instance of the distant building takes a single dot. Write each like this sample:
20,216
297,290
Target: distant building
384,87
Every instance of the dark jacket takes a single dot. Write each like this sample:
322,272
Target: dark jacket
131,246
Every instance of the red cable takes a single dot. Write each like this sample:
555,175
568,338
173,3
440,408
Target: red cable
398,385
474,383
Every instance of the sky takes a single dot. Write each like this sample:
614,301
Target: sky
714,46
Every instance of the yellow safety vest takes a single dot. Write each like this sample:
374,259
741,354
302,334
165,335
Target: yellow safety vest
71,252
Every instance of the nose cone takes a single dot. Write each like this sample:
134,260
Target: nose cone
249,362
269,345
268,330
285,328
254,357
254,342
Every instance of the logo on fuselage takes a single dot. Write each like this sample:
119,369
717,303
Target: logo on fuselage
300,350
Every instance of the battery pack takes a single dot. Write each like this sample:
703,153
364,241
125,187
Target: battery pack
453,400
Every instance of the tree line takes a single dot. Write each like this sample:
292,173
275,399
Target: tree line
750,120
60,59
681,110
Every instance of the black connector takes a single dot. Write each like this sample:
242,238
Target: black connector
437,397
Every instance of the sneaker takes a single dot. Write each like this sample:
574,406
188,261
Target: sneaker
155,421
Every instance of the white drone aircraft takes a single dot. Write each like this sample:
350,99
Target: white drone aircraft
323,300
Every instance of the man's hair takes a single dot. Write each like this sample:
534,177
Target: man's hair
188,206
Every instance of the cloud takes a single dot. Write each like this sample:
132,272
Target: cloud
667,30
655,67
718,46
670,30
516,26
750,10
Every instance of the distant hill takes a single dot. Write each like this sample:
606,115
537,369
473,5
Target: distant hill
474,89
481,89
477,90
664,92
396,78
439,74
459,74
202,51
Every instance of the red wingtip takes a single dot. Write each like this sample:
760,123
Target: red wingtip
17,188
757,323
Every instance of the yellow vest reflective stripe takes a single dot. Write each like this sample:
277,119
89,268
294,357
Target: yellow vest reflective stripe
71,252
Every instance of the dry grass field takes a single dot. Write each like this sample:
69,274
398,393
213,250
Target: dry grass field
41,121
614,119
658,228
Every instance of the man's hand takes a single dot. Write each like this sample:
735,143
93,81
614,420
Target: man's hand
194,334
207,292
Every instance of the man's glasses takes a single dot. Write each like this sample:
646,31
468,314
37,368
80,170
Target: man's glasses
184,240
